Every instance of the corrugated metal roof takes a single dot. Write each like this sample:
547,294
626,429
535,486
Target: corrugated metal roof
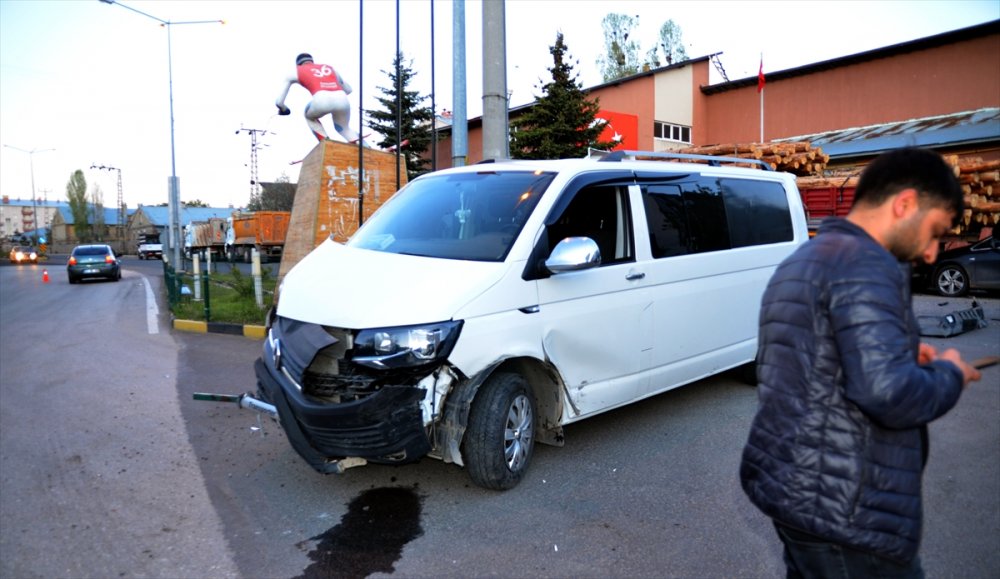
159,216
964,128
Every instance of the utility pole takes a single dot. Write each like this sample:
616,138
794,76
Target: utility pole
34,201
121,204
255,187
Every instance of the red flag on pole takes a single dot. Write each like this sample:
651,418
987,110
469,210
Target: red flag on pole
760,76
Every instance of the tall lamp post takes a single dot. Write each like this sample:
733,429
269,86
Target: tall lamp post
174,237
34,203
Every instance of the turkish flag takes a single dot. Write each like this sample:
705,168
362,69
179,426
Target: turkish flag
760,76
621,128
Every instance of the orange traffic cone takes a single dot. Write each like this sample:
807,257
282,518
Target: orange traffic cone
45,276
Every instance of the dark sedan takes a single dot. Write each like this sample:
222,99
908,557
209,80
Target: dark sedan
93,261
972,267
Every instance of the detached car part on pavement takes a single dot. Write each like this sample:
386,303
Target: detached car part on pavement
483,308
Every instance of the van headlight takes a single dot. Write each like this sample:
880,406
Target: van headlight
405,346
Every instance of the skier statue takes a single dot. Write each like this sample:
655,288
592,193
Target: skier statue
329,97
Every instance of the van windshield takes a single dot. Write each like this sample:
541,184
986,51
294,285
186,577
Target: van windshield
468,216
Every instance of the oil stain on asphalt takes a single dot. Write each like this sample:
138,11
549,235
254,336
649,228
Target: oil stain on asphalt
370,537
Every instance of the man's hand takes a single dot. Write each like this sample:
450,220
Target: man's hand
283,110
926,354
969,373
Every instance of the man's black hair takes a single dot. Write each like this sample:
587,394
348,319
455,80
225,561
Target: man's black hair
910,168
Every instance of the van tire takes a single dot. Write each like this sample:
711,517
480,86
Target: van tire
501,434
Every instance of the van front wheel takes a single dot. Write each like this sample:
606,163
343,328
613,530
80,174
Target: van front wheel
501,433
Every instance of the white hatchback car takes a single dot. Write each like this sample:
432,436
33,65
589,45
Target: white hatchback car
484,307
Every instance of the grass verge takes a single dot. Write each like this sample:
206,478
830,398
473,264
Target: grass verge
231,298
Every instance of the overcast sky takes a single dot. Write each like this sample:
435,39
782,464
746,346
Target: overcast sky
83,82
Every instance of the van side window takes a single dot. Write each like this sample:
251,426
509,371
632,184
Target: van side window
668,230
685,218
715,214
706,216
757,211
602,214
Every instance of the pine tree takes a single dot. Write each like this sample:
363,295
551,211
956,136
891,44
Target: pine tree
416,119
563,122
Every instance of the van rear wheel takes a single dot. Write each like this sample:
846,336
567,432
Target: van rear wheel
501,434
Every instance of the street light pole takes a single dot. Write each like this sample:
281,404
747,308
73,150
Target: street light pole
34,203
174,200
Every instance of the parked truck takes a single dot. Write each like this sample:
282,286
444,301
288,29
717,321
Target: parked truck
150,246
261,230
206,237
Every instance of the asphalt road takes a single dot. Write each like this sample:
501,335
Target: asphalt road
109,468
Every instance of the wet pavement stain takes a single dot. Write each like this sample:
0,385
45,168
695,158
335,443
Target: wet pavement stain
370,537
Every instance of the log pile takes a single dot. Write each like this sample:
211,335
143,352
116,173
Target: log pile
797,158
980,179
980,182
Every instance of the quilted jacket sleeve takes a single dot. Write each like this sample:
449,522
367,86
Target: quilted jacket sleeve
872,321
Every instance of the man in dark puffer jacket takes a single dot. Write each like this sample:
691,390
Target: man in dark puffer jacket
836,451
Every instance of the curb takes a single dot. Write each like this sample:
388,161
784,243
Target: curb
245,330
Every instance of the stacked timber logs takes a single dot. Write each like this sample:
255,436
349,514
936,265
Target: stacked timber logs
797,158
980,179
980,182
840,179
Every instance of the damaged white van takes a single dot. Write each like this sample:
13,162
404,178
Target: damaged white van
485,307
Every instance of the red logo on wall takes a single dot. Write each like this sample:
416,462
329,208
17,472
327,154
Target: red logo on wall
622,128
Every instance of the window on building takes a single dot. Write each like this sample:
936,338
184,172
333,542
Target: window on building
671,132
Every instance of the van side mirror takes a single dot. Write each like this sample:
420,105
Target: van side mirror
574,254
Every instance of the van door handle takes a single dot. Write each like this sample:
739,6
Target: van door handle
634,275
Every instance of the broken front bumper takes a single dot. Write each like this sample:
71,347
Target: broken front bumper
385,426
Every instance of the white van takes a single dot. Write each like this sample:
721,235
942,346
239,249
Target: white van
484,307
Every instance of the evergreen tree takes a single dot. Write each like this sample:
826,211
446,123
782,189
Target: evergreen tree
416,119
562,123
76,193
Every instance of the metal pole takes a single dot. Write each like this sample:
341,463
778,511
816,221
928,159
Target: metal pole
459,122
121,204
494,81
173,183
434,121
399,101
361,113
34,203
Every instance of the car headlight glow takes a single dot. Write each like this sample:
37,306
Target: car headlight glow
405,346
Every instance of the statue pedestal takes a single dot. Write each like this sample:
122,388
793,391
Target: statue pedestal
326,198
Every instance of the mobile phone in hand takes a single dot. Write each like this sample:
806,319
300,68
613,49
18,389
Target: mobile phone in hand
985,362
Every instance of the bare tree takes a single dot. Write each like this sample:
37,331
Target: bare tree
670,45
621,56
97,199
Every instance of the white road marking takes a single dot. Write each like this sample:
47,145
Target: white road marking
152,312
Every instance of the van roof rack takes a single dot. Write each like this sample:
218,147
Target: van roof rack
712,160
